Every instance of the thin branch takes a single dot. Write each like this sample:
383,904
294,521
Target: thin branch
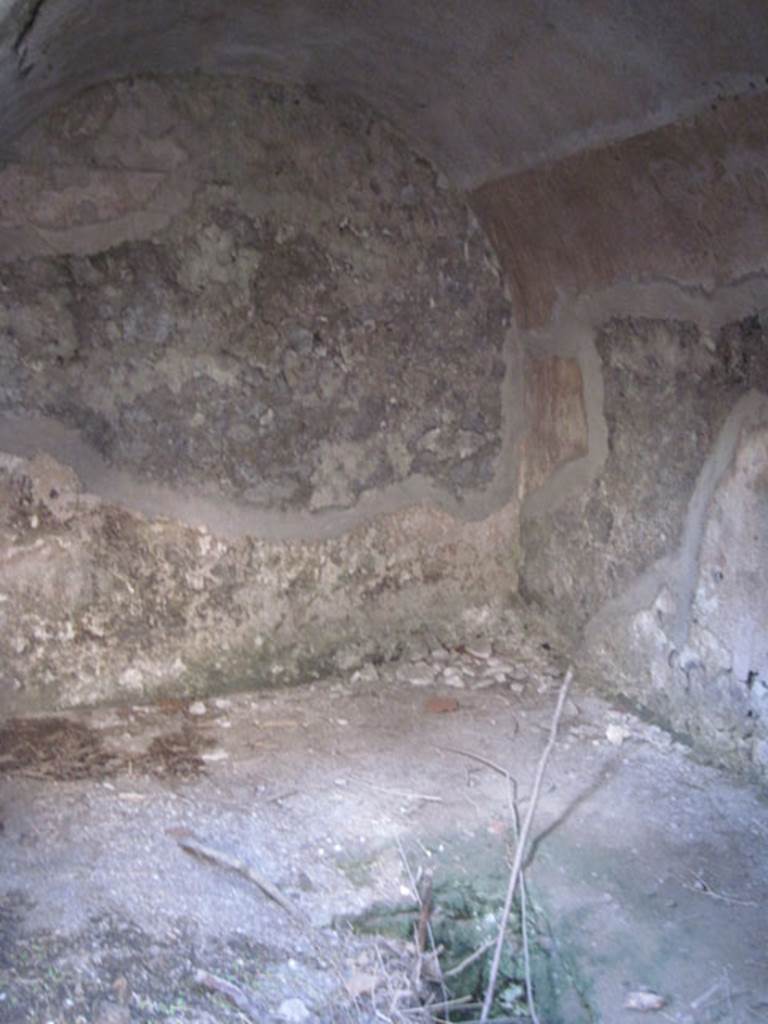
397,792
521,845
526,950
198,849
236,995
430,933
469,960
512,801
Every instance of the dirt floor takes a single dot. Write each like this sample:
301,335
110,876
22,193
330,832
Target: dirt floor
122,830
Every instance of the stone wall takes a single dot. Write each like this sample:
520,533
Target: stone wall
101,604
639,276
267,411
255,377
655,567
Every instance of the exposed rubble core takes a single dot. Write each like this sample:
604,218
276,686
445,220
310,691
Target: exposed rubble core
668,390
267,409
307,316
103,604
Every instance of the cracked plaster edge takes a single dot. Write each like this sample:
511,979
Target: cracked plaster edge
26,436
679,570
230,518
571,334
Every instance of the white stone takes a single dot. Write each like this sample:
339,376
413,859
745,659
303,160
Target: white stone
452,677
215,755
480,649
293,1010
417,674
616,734
197,708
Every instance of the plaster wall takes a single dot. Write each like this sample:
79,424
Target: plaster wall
642,266
259,403
248,372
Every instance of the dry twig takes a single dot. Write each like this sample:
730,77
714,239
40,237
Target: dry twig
521,845
469,960
404,794
198,849
512,800
430,933
236,995
699,885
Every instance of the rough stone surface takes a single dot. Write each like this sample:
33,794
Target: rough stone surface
667,391
257,293
105,605
698,653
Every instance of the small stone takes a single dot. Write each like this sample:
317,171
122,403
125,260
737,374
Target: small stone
293,1010
430,440
417,674
483,682
644,1001
197,708
439,656
481,649
214,755
367,675
452,677
616,734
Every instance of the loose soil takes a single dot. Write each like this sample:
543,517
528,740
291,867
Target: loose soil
646,874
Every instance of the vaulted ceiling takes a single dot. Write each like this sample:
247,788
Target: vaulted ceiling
485,88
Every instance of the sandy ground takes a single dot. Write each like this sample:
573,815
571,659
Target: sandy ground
648,868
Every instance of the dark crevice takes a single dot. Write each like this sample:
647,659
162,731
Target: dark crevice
32,15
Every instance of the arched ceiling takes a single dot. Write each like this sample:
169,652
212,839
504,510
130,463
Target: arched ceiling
484,87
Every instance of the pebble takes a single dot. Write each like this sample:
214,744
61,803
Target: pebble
368,674
214,755
417,674
452,677
197,708
481,650
616,734
293,1010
